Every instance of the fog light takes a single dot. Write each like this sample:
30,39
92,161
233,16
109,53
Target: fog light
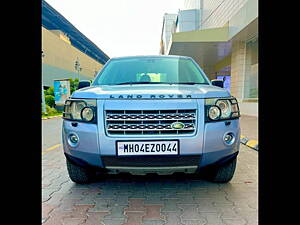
73,140
229,138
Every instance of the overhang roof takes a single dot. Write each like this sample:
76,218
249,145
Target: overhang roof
206,47
209,47
53,20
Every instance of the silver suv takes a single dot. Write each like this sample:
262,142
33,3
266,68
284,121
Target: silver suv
151,114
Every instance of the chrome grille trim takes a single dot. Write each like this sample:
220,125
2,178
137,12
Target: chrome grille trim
147,122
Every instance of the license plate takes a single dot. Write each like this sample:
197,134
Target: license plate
125,148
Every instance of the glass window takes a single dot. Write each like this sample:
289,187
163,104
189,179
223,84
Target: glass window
251,73
150,70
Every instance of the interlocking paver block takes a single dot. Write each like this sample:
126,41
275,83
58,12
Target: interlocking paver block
194,222
47,193
212,218
153,222
122,200
189,212
56,217
218,204
113,221
134,218
67,204
207,206
95,218
172,218
73,221
186,199
116,212
135,205
138,194
101,205
170,206
105,194
80,211
46,209
154,199
153,212
169,194
235,221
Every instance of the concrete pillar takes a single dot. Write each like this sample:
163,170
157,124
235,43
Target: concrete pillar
238,66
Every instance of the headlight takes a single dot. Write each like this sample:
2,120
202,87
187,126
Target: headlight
87,114
227,107
80,110
214,113
76,108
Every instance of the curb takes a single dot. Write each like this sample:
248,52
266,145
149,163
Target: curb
50,117
249,142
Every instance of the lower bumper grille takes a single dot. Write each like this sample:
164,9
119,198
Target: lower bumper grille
149,161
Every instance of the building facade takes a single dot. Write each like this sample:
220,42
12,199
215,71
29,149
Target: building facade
66,52
225,44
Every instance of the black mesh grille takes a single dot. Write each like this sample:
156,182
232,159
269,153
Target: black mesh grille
148,161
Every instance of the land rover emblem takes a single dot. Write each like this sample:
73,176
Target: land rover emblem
177,125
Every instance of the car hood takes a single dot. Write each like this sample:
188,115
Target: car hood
150,91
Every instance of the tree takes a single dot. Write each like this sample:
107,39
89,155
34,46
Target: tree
74,84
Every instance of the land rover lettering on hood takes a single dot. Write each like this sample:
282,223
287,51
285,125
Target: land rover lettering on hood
151,114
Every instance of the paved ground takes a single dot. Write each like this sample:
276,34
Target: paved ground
51,131
249,126
150,200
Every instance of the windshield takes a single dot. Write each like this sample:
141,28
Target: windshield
150,71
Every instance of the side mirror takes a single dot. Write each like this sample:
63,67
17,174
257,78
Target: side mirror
218,83
84,83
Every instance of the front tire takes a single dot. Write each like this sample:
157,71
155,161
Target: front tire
224,173
78,174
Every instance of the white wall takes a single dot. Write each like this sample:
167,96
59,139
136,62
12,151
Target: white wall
216,13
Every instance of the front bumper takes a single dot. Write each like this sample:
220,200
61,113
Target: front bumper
202,150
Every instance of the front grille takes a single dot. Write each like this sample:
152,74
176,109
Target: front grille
151,161
147,122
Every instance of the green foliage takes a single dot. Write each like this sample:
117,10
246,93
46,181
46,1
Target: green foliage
49,99
74,85
49,91
50,110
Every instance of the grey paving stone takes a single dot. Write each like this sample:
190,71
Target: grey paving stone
122,200
153,222
113,221
212,218
137,194
186,199
170,205
87,200
194,222
116,212
190,212
172,218
107,195
235,221
154,199
101,205
207,206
